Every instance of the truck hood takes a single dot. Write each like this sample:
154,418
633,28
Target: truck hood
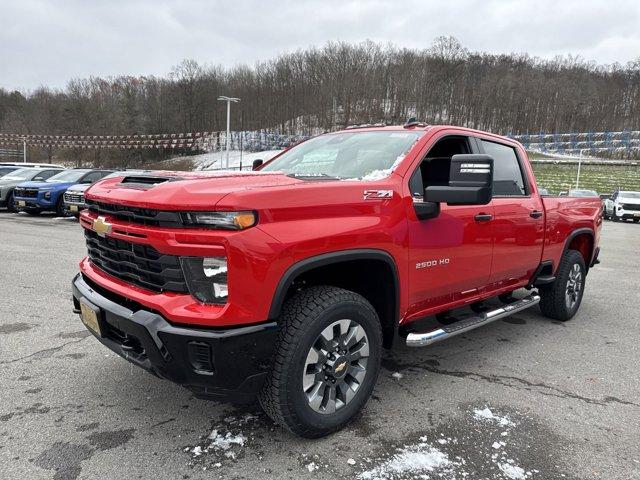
78,187
629,201
183,190
47,185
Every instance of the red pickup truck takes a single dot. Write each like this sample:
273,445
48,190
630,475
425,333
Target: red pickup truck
287,282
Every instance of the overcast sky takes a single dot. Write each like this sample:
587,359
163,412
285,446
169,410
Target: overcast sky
48,42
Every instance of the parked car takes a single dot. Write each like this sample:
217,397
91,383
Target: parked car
623,205
74,196
583,193
21,175
287,282
36,197
8,167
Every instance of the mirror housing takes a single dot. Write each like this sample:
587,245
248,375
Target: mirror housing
470,182
256,164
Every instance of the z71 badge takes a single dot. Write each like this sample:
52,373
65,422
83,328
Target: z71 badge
377,194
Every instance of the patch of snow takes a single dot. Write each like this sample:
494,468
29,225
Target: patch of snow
512,471
442,441
383,173
487,414
411,460
397,375
220,442
351,461
312,466
197,451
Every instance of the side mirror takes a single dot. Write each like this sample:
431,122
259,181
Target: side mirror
257,164
470,182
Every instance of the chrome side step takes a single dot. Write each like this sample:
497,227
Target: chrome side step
462,326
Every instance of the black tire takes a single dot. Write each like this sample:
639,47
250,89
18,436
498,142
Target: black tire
636,220
614,217
556,301
11,204
60,211
304,317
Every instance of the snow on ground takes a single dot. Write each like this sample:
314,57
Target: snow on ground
411,460
426,461
225,441
487,414
217,160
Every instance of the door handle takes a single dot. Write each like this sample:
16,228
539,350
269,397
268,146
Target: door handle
535,214
483,217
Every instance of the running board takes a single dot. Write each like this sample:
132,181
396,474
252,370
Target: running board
462,326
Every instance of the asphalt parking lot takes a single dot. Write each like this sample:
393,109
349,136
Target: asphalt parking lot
522,398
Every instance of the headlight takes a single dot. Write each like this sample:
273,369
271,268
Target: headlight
222,220
206,278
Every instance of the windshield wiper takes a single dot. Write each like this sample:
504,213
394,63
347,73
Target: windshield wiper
312,176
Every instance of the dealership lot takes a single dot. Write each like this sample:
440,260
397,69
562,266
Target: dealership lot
522,398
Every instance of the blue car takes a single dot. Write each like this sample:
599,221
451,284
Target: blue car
36,197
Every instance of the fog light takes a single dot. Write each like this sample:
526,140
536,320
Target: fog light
206,278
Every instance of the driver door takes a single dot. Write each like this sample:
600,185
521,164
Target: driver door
450,255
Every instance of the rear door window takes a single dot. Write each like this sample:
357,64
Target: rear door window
508,180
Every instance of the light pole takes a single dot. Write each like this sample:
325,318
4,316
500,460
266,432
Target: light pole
222,98
579,165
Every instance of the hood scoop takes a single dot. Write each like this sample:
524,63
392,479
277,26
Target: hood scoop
145,182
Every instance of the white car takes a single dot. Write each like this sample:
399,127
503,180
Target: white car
623,205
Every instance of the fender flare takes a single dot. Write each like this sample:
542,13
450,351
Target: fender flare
574,234
324,259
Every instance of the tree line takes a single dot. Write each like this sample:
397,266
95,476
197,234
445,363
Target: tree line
336,85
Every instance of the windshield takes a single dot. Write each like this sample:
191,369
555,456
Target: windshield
634,195
67,176
22,174
7,170
583,193
347,155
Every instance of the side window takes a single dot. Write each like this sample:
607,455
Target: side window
45,174
507,175
93,177
434,168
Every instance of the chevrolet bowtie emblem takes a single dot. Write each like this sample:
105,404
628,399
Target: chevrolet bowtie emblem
340,367
101,226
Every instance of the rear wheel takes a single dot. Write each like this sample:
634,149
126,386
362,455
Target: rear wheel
561,299
327,361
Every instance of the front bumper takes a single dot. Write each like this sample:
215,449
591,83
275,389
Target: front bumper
74,208
229,364
628,214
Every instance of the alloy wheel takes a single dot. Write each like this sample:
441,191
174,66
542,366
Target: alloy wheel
336,366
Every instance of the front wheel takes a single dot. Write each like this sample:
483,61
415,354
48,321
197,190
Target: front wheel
60,211
561,299
11,203
326,363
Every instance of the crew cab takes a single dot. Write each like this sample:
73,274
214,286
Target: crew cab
623,205
286,283
37,197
